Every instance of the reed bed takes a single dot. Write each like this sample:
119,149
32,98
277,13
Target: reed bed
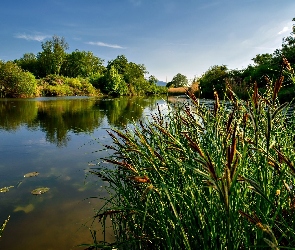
199,178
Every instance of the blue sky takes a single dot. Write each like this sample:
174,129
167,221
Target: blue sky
167,36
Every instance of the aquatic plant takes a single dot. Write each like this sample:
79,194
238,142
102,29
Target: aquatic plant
205,178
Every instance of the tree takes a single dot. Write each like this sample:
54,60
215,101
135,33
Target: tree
261,59
213,79
131,73
120,64
114,84
178,81
52,56
29,62
82,63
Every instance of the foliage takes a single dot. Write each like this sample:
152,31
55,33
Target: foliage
54,85
214,79
205,178
130,73
52,56
15,82
29,62
114,84
82,63
178,81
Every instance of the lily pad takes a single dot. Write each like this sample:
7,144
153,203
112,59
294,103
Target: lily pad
5,189
31,174
41,190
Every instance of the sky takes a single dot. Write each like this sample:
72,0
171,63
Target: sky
167,36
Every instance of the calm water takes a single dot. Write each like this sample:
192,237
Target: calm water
60,138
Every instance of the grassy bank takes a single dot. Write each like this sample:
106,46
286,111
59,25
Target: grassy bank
205,179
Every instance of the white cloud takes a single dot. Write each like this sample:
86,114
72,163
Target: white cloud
114,46
284,30
38,38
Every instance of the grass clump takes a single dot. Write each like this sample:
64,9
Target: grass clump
200,178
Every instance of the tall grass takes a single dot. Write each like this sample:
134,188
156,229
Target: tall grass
205,179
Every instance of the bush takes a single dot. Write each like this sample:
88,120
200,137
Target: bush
15,82
54,85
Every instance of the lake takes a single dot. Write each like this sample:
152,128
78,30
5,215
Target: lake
61,138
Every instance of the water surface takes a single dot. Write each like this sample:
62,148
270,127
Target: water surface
61,138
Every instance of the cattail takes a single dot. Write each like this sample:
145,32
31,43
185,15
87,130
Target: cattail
255,95
216,104
277,87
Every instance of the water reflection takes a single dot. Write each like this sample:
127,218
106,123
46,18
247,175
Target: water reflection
56,117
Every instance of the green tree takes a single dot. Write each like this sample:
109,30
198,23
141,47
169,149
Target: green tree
52,56
29,62
178,80
152,87
261,59
131,73
114,83
120,64
213,79
15,82
82,63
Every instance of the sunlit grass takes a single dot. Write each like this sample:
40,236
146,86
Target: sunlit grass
205,179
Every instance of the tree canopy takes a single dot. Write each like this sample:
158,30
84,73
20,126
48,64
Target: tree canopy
177,81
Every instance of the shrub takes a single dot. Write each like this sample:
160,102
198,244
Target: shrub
54,85
14,82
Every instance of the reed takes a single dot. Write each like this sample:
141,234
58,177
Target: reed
206,179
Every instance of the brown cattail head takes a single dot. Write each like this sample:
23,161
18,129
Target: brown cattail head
277,87
255,95
216,104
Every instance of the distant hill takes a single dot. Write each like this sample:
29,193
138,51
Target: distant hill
161,83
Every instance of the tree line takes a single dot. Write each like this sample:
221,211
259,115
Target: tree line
53,72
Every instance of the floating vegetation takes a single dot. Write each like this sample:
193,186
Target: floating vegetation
27,209
31,174
41,190
3,225
5,189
